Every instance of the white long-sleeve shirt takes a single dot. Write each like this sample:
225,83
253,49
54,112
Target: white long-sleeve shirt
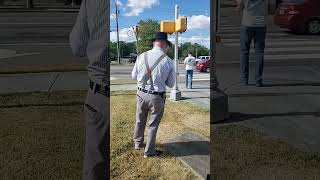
163,75
90,37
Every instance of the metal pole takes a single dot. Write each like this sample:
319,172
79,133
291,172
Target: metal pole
219,108
29,4
213,45
136,35
175,93
118,43
72,4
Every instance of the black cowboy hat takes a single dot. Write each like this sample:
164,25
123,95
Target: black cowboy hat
161,36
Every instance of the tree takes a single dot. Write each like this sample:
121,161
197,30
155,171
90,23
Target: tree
127,48
195,49
146,31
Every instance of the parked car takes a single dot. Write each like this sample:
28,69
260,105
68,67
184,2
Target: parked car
301,16
202,58
203,65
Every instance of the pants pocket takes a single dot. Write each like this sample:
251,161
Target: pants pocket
90,108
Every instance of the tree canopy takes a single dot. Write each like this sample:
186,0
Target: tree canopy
145,32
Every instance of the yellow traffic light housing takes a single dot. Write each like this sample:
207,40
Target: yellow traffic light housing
181,24
167,26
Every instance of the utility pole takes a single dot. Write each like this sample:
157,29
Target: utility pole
118,43
197,52
218,99
29,4
176,93
135,31
72,4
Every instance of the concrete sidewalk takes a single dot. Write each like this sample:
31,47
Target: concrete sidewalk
15,83
287,108
198,96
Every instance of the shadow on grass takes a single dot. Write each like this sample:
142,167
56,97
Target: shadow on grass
239,117
123,94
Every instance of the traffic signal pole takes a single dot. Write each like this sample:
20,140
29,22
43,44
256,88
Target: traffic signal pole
219,109
176,93
118,41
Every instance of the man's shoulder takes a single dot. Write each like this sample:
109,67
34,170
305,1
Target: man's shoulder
168,60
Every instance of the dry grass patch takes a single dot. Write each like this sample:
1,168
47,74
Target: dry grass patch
241,153
127,163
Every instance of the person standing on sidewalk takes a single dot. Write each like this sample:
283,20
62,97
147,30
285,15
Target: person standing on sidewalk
254,26
153,70
190,62
90,37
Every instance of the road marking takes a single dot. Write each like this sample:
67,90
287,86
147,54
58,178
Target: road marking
198,76
268,40
293,49
281,43
6,52
23,44
293,56
17,55
34,23
238,34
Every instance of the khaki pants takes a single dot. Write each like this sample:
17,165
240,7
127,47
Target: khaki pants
153,105
96,157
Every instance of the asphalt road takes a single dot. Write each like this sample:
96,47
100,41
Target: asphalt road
36,38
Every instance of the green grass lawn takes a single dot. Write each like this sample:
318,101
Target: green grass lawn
42,137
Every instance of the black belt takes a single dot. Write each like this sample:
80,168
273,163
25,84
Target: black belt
104,90
151,92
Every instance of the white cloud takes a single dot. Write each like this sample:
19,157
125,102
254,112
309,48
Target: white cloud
123,35
112,16
137,6
119,3
199,22
203,40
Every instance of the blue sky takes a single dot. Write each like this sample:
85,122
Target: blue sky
132,11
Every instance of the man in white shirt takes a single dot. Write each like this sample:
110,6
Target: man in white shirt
90,37
190,62
153,70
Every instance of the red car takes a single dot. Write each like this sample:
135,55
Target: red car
299,15
203,65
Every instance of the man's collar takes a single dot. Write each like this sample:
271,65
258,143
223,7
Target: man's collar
158,48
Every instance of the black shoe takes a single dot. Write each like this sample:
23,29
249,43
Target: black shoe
259,84
157,153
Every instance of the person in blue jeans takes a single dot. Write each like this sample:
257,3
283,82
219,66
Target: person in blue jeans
253,27
190,62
